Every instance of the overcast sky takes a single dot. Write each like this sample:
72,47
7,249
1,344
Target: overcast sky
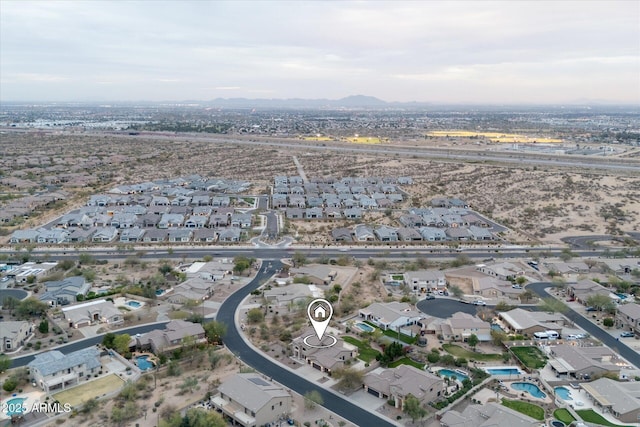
542,52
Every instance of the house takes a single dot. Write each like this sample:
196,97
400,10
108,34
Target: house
14,334
53,236
502,270
385,233
432,234
628,317
341,235
93,312
460,326
318,274
391,316
620,399
31,269
174,335
229,235
407,234
193,289
24,236
583,362
181,235
241,220
64,292
123,220
53,370
525,322
422,281
80,235
352,213
313,213
132,235
105,234
480,233
297,201
395,384
205,235
196,221
219,220
324,359
155,235
363,233
251,400
489,414
169,220
279,201
583,289
457,233
294,213
332,212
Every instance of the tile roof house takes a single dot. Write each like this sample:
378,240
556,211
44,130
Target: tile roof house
13,334
385,233
397,383
391,316
63,292
171,337
342,234
620,399
105,234
422,281
528,322
53,370
463,325
324,359
93,312
252,400
132,235
490,414
628,317
363,233
24,236
432,234
583,289
583,362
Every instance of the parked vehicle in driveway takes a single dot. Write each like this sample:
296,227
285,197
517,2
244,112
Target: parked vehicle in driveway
627,334
479,302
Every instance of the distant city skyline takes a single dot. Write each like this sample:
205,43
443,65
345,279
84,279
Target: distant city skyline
517,52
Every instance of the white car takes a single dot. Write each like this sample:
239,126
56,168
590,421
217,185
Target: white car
479,302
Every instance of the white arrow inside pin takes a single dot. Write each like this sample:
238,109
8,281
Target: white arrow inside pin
320,312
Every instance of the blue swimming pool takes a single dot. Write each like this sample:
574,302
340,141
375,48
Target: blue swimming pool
503,371
563,393
14,406
159,292
364,327
449,373
134,304
530,388
143,363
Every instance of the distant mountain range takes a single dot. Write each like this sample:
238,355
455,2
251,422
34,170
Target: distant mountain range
355,101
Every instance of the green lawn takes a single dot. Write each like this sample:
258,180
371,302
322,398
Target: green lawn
457,351
564,416
534,411
365,352
406,361
590,416
531,357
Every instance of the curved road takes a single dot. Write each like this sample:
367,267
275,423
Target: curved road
234,342
628,353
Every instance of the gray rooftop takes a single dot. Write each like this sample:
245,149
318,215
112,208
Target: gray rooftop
54,361
251,390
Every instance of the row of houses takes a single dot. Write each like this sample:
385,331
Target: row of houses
183,186
385,233
128,235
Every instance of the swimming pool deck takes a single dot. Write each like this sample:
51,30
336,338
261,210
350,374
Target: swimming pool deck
31,398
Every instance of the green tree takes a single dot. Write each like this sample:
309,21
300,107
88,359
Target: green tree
497,337
121,343
215,331
108,340
348,378
313,398
521,280
456,291
413,408
10,384
601,302
608,322
255,315
241,264
553,305
299,259
86,259
473,341
31,307
43,327
189,384
5,363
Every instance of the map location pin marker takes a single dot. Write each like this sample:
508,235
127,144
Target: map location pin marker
320,312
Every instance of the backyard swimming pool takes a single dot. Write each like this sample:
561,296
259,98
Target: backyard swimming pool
133,304
563,393
14,406
508,370
143,363
449,373
530,388
364,327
